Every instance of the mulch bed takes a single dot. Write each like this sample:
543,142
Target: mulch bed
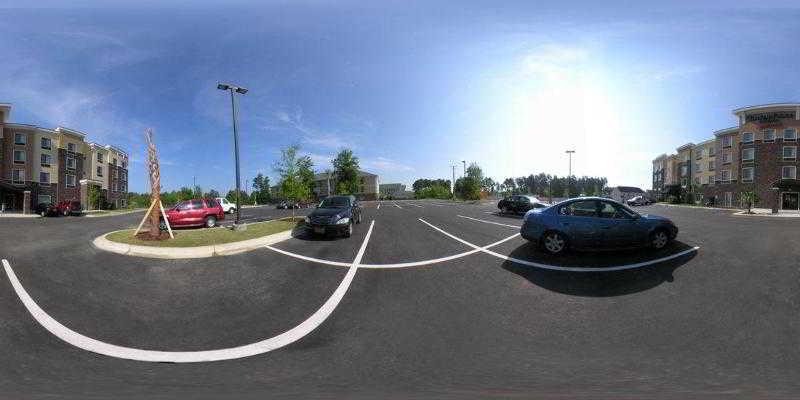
146,236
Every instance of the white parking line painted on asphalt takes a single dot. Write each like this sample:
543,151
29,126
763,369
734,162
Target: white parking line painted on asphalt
415,205
490,222
264,346
391,266
397,205
570,269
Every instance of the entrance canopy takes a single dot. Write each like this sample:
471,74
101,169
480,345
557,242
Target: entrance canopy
792,185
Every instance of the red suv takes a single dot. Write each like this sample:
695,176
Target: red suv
195,212
69,207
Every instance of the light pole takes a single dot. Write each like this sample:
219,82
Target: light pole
453,185
235,111
569,175
465,168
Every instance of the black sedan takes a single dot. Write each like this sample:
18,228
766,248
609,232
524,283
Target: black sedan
47,210
335,214
520,204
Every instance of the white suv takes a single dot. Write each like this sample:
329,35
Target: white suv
227,206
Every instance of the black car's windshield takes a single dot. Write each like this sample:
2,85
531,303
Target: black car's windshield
335,202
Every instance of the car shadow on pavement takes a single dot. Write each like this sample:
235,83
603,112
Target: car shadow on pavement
599,283
511,216
300,232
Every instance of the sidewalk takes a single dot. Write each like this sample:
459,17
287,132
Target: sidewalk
766,212
9,214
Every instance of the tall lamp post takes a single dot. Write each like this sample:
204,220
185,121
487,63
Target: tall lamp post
465,168
235,111
569,175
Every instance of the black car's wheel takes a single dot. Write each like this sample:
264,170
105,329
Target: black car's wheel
65,212
358,220
504,209
659,239
349,231
211,221
43,213
554,243
162,225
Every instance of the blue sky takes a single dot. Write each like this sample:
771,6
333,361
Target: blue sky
412,87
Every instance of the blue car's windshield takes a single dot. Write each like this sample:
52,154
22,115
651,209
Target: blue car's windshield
335,202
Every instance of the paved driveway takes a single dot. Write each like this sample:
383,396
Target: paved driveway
446,303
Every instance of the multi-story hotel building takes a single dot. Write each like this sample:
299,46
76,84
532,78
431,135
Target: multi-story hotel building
758,155
40,165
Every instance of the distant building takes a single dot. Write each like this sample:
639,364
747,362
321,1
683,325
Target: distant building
624,193
325,185
392,189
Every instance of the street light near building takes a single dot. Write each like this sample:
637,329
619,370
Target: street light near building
235,112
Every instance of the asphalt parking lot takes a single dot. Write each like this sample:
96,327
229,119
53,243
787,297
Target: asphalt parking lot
439,306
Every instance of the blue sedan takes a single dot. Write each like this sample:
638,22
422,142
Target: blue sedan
595,223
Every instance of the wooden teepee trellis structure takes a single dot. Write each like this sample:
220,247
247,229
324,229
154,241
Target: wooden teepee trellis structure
155,192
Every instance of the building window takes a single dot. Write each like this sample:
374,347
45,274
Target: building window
710,180
124,164
70,180
698,167
789,134
747,174
20,139
726,175
747,137
712,150
99,157
114,162
726,157
44,178
789,172
789,152
46,159
684,170
18,176
71,162
100,171
47,143
727,141
769,135
44,198
114,187
697,180
19,156
699,153
748,154
71,147
711,165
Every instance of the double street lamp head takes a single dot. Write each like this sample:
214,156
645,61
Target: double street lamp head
237,89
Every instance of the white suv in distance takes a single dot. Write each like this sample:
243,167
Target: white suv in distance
227,206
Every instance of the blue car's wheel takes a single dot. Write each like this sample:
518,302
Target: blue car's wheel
554,243
659,239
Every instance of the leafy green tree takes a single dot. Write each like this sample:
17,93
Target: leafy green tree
749,198
261,191
468,188
212,194
345,170
95,197
289,169
305,172
185,193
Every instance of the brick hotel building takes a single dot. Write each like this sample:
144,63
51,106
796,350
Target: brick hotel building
39,165
759,155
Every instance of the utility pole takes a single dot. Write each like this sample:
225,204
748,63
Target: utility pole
569,176
194,185
453,185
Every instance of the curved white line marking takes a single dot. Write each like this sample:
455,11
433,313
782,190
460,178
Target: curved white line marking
570,269
490,222
390,266
96,346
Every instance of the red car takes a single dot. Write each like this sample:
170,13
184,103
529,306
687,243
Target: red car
195,212
69,207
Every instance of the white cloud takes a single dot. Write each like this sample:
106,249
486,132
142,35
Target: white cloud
383,164
312,135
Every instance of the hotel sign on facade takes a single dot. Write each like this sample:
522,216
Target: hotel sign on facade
769,117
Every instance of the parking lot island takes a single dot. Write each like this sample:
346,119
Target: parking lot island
201,243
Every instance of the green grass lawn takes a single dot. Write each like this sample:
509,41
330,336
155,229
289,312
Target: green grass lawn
204,237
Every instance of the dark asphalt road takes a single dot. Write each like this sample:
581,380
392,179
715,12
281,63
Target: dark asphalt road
721,323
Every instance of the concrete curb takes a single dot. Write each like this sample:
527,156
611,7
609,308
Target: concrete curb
175,253
9,215
770,215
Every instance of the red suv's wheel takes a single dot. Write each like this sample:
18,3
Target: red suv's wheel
211,221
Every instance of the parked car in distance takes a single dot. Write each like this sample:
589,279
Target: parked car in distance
595,223
69,207
195,212
286,205
639,201
47,210
227,206
520,204
335,214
